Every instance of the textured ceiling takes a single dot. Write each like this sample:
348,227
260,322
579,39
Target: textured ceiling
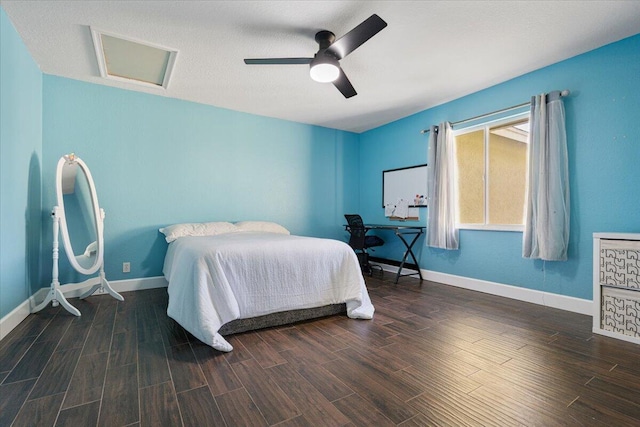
430,53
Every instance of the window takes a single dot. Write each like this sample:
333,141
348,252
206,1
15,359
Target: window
491,174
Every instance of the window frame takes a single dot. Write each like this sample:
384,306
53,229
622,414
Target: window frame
486,125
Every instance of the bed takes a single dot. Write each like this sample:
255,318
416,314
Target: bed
223,277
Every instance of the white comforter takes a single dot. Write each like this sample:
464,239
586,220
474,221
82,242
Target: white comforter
216,279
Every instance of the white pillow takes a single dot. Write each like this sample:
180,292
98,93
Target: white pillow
262,226
172,232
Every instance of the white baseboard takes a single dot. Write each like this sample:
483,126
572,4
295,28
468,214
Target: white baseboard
72,290
562,302
18,314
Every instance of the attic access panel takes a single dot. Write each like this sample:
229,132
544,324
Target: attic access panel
126,59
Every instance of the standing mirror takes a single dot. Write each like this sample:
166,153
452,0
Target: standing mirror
80,219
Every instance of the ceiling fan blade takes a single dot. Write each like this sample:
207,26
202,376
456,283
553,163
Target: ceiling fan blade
278,61
344,85
356,37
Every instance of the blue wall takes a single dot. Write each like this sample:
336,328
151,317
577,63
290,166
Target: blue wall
158,161
20,159
603,131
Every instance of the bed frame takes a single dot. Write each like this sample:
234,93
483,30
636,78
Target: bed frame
281,318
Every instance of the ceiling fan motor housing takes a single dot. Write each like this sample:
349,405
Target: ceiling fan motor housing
325,39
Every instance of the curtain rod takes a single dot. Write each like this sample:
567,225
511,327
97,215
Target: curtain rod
565,92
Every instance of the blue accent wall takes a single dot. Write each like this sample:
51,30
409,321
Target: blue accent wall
158,161
20,160
603,131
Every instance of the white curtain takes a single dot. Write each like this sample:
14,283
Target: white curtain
546,228
441,214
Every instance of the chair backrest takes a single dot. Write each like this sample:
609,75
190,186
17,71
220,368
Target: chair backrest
357,231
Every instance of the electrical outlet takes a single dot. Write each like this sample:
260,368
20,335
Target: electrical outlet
126,267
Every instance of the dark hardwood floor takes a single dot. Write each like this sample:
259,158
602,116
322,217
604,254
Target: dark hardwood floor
433,355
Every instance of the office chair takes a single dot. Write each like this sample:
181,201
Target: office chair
360,242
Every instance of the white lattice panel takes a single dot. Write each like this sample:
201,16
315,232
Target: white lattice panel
621,312
620,263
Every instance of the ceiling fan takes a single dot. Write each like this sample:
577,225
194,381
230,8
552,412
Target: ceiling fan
325,65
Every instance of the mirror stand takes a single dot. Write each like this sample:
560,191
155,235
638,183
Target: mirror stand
100,283
55,295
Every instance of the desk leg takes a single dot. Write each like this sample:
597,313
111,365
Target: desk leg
408,252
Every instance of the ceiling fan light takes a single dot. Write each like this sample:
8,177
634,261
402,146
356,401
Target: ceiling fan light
324,69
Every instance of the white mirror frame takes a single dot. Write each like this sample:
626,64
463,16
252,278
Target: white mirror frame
97,214
55,295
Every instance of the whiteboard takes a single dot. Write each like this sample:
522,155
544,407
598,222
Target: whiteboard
404,183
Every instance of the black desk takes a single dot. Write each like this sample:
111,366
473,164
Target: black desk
401,231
